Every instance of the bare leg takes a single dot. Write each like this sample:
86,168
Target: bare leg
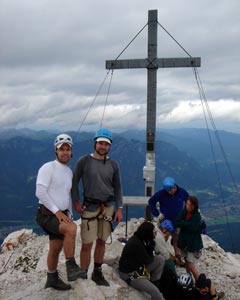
53,279
97,275
55,247
69,231
212,289
191,268
175,240
99,251
85,256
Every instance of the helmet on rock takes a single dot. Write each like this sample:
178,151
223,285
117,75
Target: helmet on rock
167,224
103,135
168,183
63,139
185,280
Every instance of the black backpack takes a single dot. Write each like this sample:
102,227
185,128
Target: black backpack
186,294
172,290
168,284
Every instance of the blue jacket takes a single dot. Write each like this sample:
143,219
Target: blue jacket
170,205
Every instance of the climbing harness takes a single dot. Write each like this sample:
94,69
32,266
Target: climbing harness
102,213
143,273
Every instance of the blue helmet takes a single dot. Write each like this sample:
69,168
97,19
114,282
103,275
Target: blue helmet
167,224
168,183
103,135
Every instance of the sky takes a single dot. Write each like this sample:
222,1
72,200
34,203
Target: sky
53,53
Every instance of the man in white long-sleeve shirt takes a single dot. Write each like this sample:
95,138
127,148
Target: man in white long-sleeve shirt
54,214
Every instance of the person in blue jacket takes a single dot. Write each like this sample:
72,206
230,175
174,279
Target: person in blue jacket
171,200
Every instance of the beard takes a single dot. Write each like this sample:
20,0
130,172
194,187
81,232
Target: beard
101,152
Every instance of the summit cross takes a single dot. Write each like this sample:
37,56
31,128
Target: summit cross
152,63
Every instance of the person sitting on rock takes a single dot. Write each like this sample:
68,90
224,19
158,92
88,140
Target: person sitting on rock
163,247
205,289
138,265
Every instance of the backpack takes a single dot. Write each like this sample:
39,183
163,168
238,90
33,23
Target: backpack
185,294
192,294
168,284
203,227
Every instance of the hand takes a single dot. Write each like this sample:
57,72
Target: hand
118,215
62,217
179,262
172,257
161,218
78,207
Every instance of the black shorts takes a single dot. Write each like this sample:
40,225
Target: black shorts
50,225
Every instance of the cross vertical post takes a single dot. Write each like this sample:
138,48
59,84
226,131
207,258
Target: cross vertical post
149,168
152,63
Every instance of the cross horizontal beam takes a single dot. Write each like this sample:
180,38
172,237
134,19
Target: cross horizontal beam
154,64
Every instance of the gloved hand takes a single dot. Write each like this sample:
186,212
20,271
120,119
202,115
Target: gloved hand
161,218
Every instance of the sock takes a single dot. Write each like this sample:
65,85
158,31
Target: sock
69,258
97,265
51,271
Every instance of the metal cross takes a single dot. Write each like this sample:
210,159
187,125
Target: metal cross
152,63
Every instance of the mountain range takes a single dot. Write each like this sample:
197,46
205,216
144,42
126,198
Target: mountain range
208,170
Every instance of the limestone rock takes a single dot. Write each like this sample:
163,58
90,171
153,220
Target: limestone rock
23,269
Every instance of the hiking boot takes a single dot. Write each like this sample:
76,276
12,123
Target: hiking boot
54,281
98,278
74,271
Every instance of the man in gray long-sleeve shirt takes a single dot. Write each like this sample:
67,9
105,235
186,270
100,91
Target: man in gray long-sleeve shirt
102,189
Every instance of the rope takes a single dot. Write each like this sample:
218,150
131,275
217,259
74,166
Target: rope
206,107
101,85
104,109
131,42
124,49
204,101
91,105
216,131
174,40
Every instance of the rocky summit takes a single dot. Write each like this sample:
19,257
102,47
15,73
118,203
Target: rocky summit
23,269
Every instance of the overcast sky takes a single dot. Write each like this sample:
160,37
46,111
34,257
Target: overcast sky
53,53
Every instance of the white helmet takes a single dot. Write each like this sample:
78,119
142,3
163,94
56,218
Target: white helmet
62,139
185,280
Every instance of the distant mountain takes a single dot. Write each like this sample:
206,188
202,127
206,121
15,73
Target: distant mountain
196,142
184,154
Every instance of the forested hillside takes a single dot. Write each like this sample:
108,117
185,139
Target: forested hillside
184,154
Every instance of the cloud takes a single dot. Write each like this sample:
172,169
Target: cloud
53,53
185,112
